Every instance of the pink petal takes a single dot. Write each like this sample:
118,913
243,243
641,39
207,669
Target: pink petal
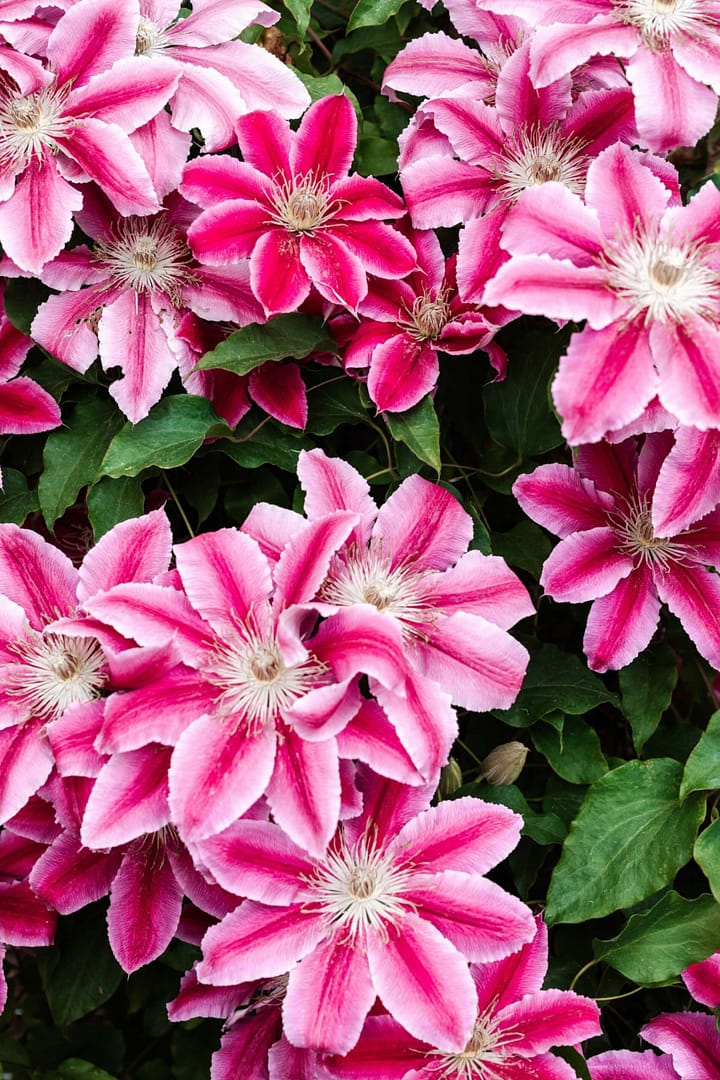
265,140
164,151
423,982
625,1065
688,484
441,192
304,563
365,199
278,277
257,941
134,550
210,180
157,713
279,390
699,55
97,148
483,585
361,640
36,575
693,594
334,270
551,219
402,372
561,500
151,614
145,903
24,920
584,566
69,876
624,191
133,337
62,326
435,64
130,94
370,737
206,100
688,358
91,36
216,775
329,995
332,484
128,799
703,981
36,222
507,980
424,720
691,1039
688,110
72,736
621,624
304,792
431,540
550,1018
465,834
244,1048
557,49
539,285
472,127
258,860
312,151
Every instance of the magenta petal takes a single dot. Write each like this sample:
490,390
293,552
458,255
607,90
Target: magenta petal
257,941
362,640
72,738
135,550
278,278
703,980
688,358
228,232
279,390
424,720
209,180
36,575
335,271
540,285
465,834
195,999
258,860
561,500
313,151
423,982
688,484
550,1018
402,372
585,565
693,594
265,140
156,713
508,980
328,997
304,563
304,792
621,624
69,876
24,920
225,576
27,763
244,1048
25,408
36,222
216,775
128,799
624,190
152,614
691,1039
145,903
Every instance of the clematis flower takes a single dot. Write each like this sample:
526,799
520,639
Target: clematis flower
125,297
293,210
703,980
626,1065
255,706
45,669
516,1025
394,908
643,271
70,123
670,50
692,1041
611,554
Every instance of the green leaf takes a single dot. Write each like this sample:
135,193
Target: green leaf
419,430
16,502
300,11
646,686
73,454
284,336
573,752
656,945
272,444
168,437
555,680
526,546
79,972
517,410
22,298
111,501
372,13
376,156
333,404
75,1069
319,86
629,839
702,769
707,855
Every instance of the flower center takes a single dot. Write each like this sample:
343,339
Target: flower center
256,686
658,19
666,281
540,156
637,538
54,671
429,316
147,255
147,38
30,125
488,1046
303,205
359,887
367,576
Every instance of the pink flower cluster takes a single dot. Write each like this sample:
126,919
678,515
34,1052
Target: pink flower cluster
241,750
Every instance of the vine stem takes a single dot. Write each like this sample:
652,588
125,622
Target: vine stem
581,972
182,513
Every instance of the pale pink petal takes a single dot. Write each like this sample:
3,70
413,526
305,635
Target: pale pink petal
605,380
324,711
688,108
435,64
332,484
257,941
424,720
693,594
279,390
216,775
145,903
688,359
479,664
466,835
214,21
304,792
135,550
128,799
699,55
130,94
431,540
551,219
97,148
624,191
62,326
206,100
72,738
69,876
329,995
557,49
584,566
540,285
472,127
258,860
482,921
561,500
133,337
272,527
370,737
152,614
164,150
441,192
91,36
626,1065
159,712
225,576
36,575
36,222
550,1018
278,277
621,624
483,585
423,982
691,1039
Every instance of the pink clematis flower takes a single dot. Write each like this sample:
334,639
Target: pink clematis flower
611,553
517,1023
256,705
125,296
395,908
293,210
692,1041
71,123
645,274
671,52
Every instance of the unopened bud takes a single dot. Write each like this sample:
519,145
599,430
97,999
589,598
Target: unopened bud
504,764
450,779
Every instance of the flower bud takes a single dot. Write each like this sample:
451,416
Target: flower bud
450,779
504,764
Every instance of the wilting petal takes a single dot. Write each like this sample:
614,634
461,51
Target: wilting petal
621,624
145,903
